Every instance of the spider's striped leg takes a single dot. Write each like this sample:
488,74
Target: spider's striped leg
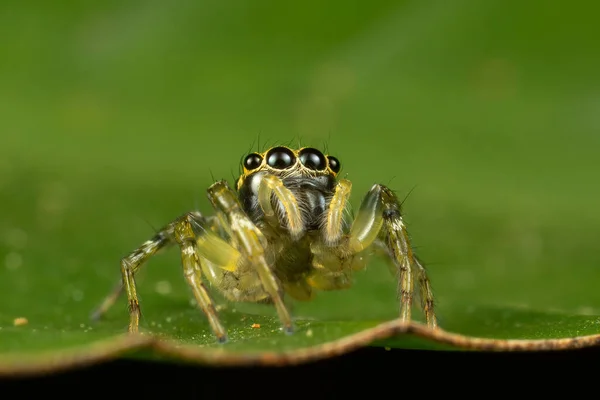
195,241
332,269
129,266
271,185
251,244
187,231
379,215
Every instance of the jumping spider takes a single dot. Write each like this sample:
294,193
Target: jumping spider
283,231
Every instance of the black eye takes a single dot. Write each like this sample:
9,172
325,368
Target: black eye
280,158
334,164
252,161
312,159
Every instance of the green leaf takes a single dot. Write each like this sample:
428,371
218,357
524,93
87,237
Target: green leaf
114,119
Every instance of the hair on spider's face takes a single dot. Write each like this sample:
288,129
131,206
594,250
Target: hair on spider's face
284,162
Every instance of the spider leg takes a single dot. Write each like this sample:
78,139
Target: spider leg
333,229
192,235
132,263
379,215
425,292
272,185
251,244
330,268
196,241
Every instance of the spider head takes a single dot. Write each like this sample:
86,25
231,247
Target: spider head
309,175
292,166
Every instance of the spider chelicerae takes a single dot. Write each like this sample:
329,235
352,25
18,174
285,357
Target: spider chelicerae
283,231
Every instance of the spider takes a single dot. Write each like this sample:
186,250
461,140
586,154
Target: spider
283,231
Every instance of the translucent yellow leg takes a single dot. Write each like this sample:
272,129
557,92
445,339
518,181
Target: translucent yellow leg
332,269
380,213
368,221
186,238
251,243
335,215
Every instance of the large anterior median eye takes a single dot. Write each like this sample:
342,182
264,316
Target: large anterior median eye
252,161
312,159
334,164
280,158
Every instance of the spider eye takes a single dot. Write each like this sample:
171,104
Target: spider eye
334,164
312,159
252,161
280,158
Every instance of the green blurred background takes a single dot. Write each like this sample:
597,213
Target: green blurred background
114,114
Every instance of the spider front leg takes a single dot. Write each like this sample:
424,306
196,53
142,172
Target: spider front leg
195,241
379,215
251,243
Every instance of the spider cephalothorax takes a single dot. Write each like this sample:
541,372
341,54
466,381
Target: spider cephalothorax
283,232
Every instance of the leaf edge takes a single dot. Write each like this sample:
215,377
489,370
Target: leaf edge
109,349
